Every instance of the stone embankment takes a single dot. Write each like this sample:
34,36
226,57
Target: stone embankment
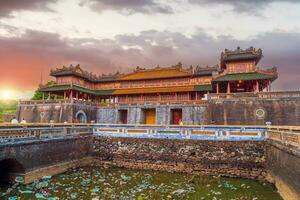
276,159
221,158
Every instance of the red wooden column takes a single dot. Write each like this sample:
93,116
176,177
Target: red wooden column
217,88
228,87
257,86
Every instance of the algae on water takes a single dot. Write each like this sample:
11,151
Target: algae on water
122,184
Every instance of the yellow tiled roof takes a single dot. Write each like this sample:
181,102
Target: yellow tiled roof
156,73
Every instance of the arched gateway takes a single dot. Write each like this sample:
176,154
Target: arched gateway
81,117
9,169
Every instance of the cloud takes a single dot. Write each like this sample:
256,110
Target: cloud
128,7
9,6
243,6
280,49
24,58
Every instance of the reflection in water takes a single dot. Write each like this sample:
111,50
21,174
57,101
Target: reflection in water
115,183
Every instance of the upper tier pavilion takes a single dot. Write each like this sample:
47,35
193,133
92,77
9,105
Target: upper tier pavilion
238,71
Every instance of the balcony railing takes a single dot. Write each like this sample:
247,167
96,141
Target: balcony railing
58,101
171,101
108,102
269,95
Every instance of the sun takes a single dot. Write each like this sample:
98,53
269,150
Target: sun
6,94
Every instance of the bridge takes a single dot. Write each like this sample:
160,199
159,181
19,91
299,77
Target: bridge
34,150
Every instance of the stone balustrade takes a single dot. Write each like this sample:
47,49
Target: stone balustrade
287,135
101,104
264,95
14,133
58,101
182,132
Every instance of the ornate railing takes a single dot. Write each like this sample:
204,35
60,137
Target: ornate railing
50,101
58,101
172,101
182,132
270,95
90,103
287,135
14,133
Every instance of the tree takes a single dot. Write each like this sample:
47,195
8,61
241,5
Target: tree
38,95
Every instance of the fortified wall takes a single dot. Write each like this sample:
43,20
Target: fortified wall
236,110
37,158
58,111
191,114
279,108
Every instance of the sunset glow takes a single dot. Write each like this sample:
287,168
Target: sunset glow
6,94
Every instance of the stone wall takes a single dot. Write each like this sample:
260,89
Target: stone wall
283,165
248,111
37,154
45,112
59,113
228,158
283,111
190,114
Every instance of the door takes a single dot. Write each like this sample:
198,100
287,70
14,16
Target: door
123,116
150,116
176,116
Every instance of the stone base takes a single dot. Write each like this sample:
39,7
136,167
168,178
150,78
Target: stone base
285,191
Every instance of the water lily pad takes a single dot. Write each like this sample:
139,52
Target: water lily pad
19,179
39,196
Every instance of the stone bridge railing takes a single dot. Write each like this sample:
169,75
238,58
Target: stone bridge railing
287,135
182,132
13,133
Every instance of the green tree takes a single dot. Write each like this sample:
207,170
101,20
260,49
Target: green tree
38,95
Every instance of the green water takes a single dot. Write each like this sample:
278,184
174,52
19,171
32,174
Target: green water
122,184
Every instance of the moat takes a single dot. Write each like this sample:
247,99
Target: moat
117,183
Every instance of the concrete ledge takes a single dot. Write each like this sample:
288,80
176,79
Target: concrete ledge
56,169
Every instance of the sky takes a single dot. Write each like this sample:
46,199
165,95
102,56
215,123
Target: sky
105,36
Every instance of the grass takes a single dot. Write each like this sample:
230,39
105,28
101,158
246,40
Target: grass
7,107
